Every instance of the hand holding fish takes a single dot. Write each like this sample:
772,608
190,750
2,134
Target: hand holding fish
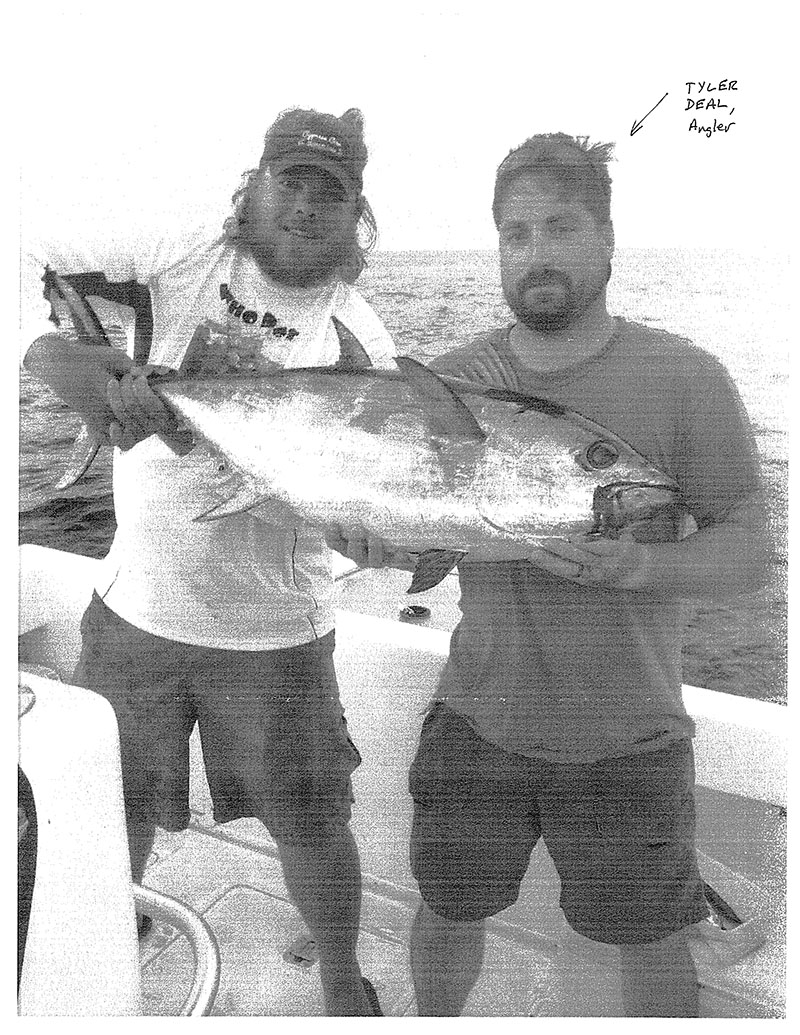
366,550
79,374
139,413
604,563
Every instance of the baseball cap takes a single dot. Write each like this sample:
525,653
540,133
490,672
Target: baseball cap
307,137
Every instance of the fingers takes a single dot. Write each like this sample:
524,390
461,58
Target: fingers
99,356
366,550
598,544
557,563
336,540
151,406
349,542
610,563
125,409
137,410
120,437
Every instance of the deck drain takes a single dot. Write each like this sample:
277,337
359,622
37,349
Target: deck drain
302,952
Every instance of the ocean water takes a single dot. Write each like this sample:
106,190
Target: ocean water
731,304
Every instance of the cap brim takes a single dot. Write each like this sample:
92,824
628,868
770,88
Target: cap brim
279,165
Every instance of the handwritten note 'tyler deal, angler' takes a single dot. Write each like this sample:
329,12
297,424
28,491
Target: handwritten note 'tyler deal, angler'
708,96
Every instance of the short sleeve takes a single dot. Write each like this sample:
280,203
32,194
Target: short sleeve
136,258
718,465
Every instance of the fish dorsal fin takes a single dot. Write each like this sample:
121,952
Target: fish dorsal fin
352,354
449,411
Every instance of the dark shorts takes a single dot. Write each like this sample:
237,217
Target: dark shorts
274,737
620,832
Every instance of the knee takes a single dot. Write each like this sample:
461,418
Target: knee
321,841
434,923
655,951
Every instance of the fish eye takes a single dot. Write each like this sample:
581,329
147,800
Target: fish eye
601,454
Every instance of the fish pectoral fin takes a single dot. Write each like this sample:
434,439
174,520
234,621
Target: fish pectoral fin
450,415
244,497
84,451
432,567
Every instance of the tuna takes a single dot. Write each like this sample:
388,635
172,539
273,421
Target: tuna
435,466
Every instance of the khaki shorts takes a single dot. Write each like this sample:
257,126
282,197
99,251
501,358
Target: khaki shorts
620,832
273,732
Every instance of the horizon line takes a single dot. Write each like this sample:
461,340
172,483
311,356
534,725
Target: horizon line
619,247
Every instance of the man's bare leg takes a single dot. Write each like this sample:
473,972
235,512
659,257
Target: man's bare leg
659,979
141,836
446,959
140,843
323,875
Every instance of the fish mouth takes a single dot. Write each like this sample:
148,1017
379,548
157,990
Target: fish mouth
618,505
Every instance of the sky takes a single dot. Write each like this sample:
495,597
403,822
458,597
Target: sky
147,114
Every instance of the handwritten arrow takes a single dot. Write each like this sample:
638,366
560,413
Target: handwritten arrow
638,125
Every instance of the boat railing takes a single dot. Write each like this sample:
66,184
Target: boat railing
205,982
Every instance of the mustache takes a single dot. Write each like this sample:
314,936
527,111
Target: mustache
304,225
543,278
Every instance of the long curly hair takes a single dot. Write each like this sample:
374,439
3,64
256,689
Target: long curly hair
365,232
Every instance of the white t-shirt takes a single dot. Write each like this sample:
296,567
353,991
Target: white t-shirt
241,582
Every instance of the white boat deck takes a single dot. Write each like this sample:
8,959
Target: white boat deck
535,965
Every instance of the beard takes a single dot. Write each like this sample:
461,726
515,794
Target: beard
561,301
299,266
295,262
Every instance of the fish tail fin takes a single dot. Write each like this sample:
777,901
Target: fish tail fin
87,327
432,567
84,320
84,451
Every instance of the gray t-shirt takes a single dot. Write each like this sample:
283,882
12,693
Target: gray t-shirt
549,669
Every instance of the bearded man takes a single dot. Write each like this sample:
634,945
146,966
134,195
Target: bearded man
230,623
559,713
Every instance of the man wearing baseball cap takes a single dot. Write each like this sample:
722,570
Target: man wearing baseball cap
229,623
